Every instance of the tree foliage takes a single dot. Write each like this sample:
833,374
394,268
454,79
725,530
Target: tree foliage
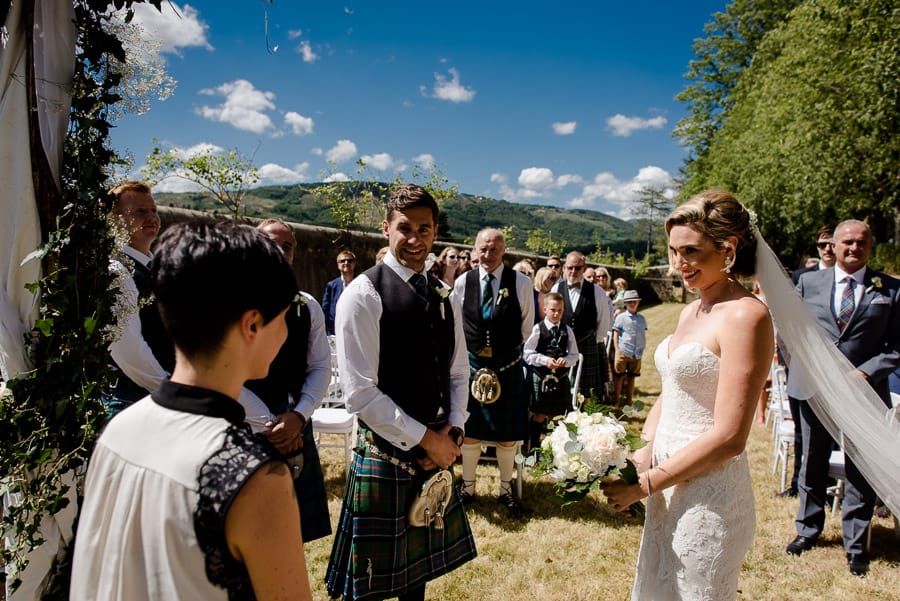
652,208
812,133
542,243
50,416
732,38
225,175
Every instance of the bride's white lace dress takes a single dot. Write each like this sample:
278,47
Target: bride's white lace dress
697,532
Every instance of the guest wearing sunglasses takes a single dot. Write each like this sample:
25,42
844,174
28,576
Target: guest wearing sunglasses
448,266
465,261
346,264
555,263
825,247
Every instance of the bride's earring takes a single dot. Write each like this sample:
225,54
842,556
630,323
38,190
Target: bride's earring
729,261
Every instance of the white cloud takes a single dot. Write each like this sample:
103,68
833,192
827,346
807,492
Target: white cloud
568,179
196,150
244,106
270,173
293,34
317,152
425,161
337,177
534,183
620,196
564,128
305,50
449,89
383,161
174,184
623,126
172,27
299,124
344,150
536,178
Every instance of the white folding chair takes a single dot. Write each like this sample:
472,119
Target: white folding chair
332,417
575,380
784,425
336,421
836,470
334,386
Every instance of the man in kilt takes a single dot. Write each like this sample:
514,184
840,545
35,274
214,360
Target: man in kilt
498,314
403,370
295,386
589,312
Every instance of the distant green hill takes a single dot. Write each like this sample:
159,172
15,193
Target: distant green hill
466,215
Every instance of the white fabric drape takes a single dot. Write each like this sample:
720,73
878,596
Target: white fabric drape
20,235
843,401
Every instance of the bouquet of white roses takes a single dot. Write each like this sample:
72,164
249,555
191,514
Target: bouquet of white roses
582,449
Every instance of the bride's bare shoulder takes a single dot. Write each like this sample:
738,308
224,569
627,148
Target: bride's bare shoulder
746,312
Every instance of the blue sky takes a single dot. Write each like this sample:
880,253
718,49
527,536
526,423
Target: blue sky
561,103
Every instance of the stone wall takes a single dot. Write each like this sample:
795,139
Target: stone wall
317,248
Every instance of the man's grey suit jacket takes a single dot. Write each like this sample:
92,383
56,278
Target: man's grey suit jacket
871,339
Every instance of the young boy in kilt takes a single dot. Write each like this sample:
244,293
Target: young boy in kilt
401,354
551,350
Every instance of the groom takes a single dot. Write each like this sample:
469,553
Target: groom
860,309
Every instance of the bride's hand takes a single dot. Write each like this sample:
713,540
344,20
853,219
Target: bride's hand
621,496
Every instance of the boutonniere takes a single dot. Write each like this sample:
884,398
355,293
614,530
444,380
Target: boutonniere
300,299
876,284
444,294
501,294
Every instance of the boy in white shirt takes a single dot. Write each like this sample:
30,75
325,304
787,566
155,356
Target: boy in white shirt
550,350
629,339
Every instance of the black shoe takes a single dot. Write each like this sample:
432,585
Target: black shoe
858,563
512,505
800,544
465,497
788,492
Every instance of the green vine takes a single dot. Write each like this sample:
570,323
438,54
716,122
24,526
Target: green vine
49,417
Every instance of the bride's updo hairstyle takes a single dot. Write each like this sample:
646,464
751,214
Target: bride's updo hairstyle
718,215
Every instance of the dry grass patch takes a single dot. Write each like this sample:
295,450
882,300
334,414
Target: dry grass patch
588,552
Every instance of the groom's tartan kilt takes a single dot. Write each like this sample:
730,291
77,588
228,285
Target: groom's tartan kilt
376,553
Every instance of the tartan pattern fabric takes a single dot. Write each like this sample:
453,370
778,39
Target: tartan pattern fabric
848,303
376,553
310,488
507,419
595,367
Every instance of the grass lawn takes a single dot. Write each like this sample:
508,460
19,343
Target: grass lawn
587,551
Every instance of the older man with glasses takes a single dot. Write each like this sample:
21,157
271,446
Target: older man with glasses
588,310
346,264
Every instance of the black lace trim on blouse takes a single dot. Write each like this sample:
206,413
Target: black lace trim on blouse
221,478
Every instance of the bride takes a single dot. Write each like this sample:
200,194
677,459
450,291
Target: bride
700,514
